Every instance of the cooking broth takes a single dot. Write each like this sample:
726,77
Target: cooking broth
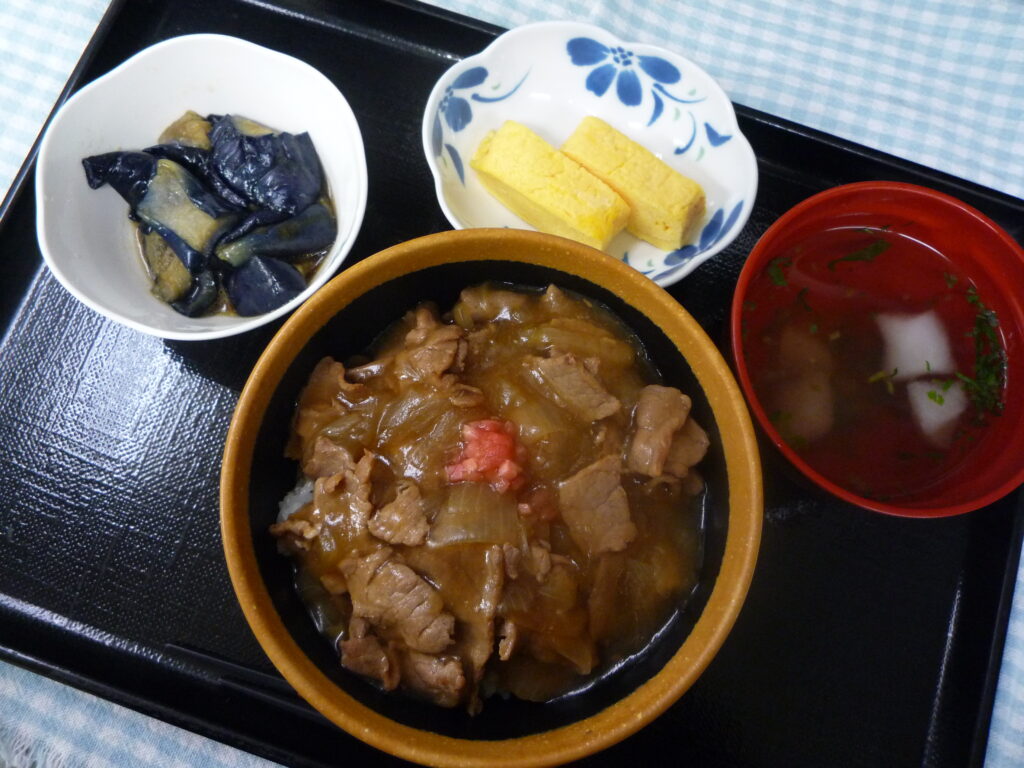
503,499
875,358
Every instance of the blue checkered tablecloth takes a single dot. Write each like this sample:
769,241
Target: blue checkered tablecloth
939,82
44,724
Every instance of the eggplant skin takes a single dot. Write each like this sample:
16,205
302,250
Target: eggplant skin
251,196
262,285
310,232
167,199
129,173
200,295
279,172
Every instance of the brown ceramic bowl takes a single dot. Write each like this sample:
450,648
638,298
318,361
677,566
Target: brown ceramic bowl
342,319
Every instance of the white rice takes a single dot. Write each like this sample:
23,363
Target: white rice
295,499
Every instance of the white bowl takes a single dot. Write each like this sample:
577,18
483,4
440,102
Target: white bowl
532,75
85,236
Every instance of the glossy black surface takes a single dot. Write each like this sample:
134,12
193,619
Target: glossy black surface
865,641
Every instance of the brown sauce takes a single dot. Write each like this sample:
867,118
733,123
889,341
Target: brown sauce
503,499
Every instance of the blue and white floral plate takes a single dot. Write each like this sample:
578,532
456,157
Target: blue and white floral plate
550,75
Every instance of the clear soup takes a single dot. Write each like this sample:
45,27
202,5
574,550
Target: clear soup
876,360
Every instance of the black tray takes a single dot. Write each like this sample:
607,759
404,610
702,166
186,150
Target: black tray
865,640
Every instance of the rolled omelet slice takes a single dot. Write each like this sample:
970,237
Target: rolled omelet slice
666,207
546,189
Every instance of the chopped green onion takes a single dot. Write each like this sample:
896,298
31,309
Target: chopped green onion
801,299
985,388
867,253
775,272
886,377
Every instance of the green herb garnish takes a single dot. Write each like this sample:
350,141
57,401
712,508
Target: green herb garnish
985,388
775,266
801,299
936,398
867,253
885,376
813,328
950,279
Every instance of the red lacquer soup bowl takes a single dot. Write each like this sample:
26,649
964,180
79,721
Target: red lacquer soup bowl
877,334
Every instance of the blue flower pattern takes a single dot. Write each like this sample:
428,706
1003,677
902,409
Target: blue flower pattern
609,65
620,65
716,228
458,112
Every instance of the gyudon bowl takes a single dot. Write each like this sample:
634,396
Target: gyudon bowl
342,321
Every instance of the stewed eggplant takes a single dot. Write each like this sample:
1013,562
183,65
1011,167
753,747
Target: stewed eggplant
234,216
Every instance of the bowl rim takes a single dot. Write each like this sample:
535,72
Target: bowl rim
752,177
756,260
743,467
339,249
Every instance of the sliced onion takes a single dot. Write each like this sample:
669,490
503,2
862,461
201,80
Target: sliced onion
475,513
559,588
